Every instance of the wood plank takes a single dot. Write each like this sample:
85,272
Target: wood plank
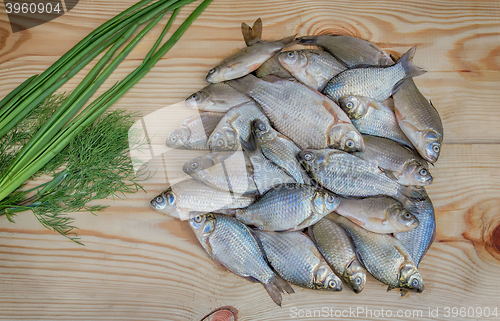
141,265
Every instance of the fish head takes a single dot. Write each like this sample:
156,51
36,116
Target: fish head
165,202
354,106
203,225
262,130
198,164
356,274
345,137
401,218
325,279
216,74
410,278
430,145
224,138
416,173
325,202
199,99
313,160
179,138
293,60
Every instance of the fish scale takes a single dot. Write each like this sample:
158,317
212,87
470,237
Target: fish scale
294,256
381,123
374,82
377,251
419,240
287,206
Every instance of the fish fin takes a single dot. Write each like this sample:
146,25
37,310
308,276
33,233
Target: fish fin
288,41
410,126
387,60
404,293
252,34
413,192
388,173
252,279
250,145
244,84
394,58
310,233
308,40
389,288
272,78
430,102
377,105
397,86
406,61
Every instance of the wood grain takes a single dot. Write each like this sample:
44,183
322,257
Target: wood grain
140,265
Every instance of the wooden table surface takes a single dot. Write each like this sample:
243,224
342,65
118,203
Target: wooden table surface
138,264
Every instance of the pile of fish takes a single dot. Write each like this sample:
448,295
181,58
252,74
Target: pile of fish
316,165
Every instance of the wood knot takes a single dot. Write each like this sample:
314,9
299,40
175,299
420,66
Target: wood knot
221,314
483,228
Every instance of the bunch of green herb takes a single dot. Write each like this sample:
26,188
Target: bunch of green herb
27,157
95,165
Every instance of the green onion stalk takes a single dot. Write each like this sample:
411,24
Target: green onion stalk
69,120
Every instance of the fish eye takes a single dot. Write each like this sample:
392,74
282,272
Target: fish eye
308,156
194,96
332,283
349,143
262,127
220,142
357,281
211,71
159,199
407,215
173,138
290,54
197,219
423,172
349,105
194,165
415,283
171,199
435,148
331,199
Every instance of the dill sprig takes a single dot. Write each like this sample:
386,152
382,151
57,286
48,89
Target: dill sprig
96,165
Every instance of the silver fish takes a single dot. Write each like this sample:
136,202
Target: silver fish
193,133
371,117
381,214
313,68
266,174
338,250
419,240
377,83
290,206
247,59
234,126
348,175
383,256
305,116
216,97
185,197
278,149
419,120
297,260
236,247
351,50
396,161
227,171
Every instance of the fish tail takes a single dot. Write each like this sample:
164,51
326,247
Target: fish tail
409,67
276,286
252,34
308,40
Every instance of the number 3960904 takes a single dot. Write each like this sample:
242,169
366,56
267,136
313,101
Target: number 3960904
478,312
20,7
